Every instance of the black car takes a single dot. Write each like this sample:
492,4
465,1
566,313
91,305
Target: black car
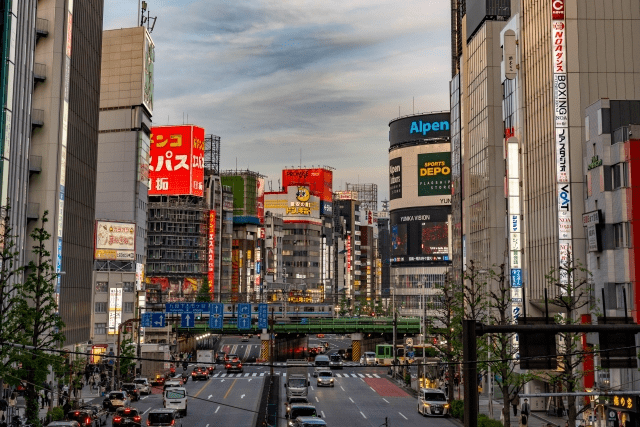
98,414
163,417
132,390
234,365
220,358
200,373
82,416
126,417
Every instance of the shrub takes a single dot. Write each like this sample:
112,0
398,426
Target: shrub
484,421
457,409
56,414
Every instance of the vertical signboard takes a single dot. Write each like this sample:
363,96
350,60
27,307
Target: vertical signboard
260,199
434,174
115,310
395,178
177,160
561,120
211,249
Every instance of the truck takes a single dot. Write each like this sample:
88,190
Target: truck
155,362
205,357
297,384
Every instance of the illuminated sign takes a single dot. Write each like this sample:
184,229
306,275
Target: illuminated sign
318,180
434,174
348,252
623,402
211,248
177,160
347,195
147,75
425,127
115,241
296,204
395,178
115,310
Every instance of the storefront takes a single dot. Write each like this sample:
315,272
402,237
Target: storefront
97,351
622,411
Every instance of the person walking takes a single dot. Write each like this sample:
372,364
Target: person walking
515,401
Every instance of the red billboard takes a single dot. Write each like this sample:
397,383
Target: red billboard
319,181
176,164
211,249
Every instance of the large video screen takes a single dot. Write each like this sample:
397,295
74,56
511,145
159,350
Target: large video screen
399,240
435,238
420,235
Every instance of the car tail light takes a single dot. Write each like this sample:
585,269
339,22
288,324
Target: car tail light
239,365
117,419
228,366
87,421
148,422
77,413
126,411
173,422
136,418
135,391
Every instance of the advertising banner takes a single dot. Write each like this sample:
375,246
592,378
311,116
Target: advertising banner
115,241
139,276
347,195
420,234
211,247
295,205
419,127
395,178
260,199
177,160
434,174
319,181
115,310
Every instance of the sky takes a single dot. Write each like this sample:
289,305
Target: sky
289,83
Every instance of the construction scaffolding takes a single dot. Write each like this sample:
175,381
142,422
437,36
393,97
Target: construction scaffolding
212,154
244,185
367,194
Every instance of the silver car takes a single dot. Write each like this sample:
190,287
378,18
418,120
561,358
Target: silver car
325,378
368,358
143,385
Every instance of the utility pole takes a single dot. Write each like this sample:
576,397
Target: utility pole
271,343
395,332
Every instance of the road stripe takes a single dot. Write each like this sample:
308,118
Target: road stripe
262,374
322,412
342,388
146,411
385,400
217,409
216,375
363,415
369,376
376,375
361,376
255,374
351,400
317,399
403,416
247,374
223,375
229,391
354,375
203,387
284,374
372,388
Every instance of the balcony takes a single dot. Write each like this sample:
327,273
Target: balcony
621,134
37,118
33,210
39,72
35,164
42,27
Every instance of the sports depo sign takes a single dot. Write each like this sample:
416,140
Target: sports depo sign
434,174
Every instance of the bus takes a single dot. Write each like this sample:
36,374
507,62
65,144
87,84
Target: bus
417,352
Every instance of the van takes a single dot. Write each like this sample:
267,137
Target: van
433,401
321,363
175,398
171,384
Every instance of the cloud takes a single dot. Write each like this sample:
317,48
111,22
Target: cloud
277,79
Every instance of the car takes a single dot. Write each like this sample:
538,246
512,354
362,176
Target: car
171,383
294,400
325,378
97,412
211,368
175,398
126,416
309,422
245,338
335,361
115,400
433,401
230,357
163,417
300,410
132,391
159,380
234,365
320,335
82,416
200,373
325,344
143,385
321,363
368,358
69,423
220,357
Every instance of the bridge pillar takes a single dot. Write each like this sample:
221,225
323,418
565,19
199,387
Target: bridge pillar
265,350
356,346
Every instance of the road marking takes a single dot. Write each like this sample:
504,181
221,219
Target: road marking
342,388
146,411
217,409
207,425
223,375
376,375
354,375
229,391
403,416
216,375
203,387
311,387
262,374
255,374
249,380
211,395
317,399
143,398
363,415
247,374
242,397
361,376
351,400
372,388
222,381
385,400
322,412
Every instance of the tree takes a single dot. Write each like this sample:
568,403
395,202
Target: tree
37,311
127,357
343,306
204,293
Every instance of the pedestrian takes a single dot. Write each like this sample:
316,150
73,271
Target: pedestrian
515,401
456,380
525,410
42,398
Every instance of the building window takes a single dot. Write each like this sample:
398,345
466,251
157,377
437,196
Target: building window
102,287
128,307
127,286
622,290
620,175
621,234
101,307
100,329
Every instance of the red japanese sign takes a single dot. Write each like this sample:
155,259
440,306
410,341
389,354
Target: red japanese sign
557,10
319,181
211,249
176,164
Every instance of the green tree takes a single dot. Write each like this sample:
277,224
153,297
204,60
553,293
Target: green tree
343,306
204,293
37,312
127,357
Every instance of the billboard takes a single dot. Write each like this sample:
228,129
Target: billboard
211,249
176,160
420,234
260,199
319,181
115,310
295,205
434,174
419,127
428,178
115,241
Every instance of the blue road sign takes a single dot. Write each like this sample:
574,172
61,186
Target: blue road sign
158,320
304,321
187,320
263,316
216,316
187,307
146,320
244,316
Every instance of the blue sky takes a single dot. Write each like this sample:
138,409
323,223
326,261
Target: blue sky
278,80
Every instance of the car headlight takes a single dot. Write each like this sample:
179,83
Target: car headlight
331,379
426,405
446,405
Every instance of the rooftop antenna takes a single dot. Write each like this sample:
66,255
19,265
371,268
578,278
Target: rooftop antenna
149,20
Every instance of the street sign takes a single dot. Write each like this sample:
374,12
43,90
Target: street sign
244,316
216,316
263,316
304,321
187,307
145,322
157,320
187,320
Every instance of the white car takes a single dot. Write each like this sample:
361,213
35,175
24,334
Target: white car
143,385
368,358
433,401
325,378
175,398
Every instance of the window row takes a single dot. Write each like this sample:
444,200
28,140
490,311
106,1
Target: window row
103,287
101,307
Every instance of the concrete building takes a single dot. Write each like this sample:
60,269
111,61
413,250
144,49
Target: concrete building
50,95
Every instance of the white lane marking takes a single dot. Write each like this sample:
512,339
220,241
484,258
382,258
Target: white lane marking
385,400
342,388
351,400
372,389
207,425
146,411
354,375
363,415
249,380
361,376
284,374
143,398
247,374
311,387
403,416
222,381
376,375
262,374
242,397
223,375
368,375
254,374
216,375
322,412
210,396
317,399
217,409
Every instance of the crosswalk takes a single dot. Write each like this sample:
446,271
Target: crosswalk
347,364
284,374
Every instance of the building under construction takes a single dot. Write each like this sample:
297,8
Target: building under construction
367,195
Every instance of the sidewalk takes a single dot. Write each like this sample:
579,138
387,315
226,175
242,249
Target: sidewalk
86,395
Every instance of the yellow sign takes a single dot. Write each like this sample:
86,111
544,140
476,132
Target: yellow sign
626,402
